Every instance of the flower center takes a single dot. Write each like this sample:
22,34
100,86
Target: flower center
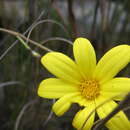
90,89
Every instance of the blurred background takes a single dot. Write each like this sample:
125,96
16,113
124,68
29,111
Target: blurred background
54,24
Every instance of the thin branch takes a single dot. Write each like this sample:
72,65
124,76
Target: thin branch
46,21
33,52
9,83
122,105
22,36
50,115
14,43
22,113
57,39
100,105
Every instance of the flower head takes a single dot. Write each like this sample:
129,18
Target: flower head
87,83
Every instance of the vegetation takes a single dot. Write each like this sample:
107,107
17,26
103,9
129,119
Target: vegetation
51,25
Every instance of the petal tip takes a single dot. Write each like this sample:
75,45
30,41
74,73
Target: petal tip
43,58
81,39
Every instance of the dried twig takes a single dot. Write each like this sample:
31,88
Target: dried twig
14,43
9,83
57,39
98,106
22,36
122,105
49,116
22,113
46,21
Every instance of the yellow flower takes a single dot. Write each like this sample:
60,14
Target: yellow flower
87,83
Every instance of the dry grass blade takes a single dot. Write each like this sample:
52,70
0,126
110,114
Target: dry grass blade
9,83
14,43
49,117
22,113
22,36
57,39
46,21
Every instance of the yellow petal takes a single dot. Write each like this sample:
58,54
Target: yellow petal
63,104
82,101
115,87
118,122
112,62
85,56
55,88
84,119
61,66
